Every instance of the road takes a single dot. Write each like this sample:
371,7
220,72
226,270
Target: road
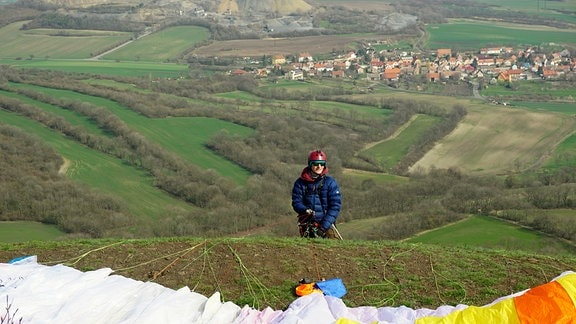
99,56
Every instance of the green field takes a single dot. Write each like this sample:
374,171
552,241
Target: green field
13,232
380,177
43,44
564,155
183,136
355,110
543,9
535,6
388,153
102,172
487,232
130,69
155,47
561,107
241,95
187,136
70,116
474,35
536,95
544,89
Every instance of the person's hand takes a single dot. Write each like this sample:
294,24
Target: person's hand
319,231
309,212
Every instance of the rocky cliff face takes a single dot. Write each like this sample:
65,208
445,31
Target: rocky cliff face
90,3
282,7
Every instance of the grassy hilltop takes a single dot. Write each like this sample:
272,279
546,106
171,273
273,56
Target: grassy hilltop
161,160
263,272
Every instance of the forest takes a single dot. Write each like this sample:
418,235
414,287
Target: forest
34,190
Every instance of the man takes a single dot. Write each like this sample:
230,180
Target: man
316,198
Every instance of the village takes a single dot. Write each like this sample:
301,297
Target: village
494,64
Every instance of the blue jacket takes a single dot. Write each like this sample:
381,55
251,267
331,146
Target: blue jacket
325,202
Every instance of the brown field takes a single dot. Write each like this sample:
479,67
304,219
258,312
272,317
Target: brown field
492,139
315,45
498,139
366,5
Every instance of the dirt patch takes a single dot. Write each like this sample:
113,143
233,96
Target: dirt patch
375,274
64,167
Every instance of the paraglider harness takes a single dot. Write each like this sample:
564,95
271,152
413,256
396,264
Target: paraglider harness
307,226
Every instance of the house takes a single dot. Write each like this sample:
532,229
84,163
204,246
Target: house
342,65
485,61
376,66
391,74
445,75
278,59
515,74
478,74
338,74
350,56
562,69
549,74
373,76
511,75
305,57
441,52
491,51
433,76
295,74
406,60
468,69
263,72
317,67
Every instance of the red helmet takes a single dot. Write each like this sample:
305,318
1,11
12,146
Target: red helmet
316,155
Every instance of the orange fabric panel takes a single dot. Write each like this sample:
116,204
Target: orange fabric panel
548,303
306,289
568,282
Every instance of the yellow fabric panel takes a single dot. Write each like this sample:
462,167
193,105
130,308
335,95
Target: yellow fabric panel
501,312
553,302
548,303
346,321
568,282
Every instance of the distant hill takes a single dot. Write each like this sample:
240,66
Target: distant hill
283,7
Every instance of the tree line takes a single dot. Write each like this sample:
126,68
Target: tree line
33,190
86,22
275,154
